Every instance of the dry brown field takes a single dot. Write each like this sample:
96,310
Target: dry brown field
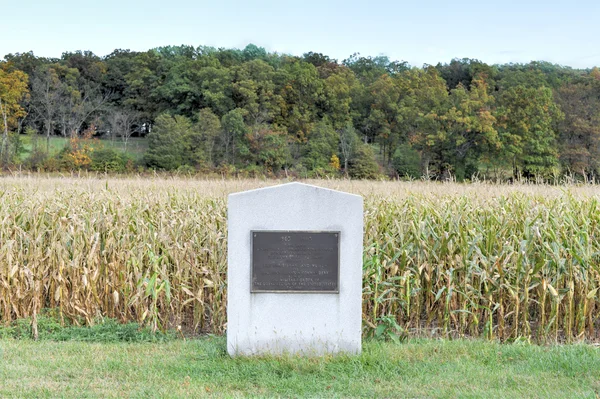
440,259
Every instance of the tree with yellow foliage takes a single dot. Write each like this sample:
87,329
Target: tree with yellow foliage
334,162
13,89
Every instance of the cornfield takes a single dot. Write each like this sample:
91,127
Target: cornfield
440,259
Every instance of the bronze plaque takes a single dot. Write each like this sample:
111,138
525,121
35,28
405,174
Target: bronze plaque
295,261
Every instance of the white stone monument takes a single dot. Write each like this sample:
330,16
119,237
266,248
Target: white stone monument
294,271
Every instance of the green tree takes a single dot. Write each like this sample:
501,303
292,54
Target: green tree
204,142
338,89
118,65
252,52
426,102
216,89
579,131
322,144
142,82
369,69
181,91
254,91
527,119
267,148
463,71
364,166
385,118
27,62
470,124
168,143
407,162
234,131
301,90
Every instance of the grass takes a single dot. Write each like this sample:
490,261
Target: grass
201,368
50,328
500,262
136,146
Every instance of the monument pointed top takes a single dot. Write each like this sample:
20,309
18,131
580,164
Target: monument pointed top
293,185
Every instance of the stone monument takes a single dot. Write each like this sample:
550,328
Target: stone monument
294,271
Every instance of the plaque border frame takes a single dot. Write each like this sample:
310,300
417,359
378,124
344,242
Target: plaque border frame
339,241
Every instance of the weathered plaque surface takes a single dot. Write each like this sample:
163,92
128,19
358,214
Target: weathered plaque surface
295,261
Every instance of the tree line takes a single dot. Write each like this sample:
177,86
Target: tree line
255,112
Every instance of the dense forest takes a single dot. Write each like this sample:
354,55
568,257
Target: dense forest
252,112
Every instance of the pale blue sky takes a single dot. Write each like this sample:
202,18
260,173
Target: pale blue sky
433,31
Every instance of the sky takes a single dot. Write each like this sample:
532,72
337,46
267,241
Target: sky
420,32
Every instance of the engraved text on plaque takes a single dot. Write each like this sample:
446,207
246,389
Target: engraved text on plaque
295,261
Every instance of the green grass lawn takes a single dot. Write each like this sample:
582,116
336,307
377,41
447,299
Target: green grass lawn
201,368
136,146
